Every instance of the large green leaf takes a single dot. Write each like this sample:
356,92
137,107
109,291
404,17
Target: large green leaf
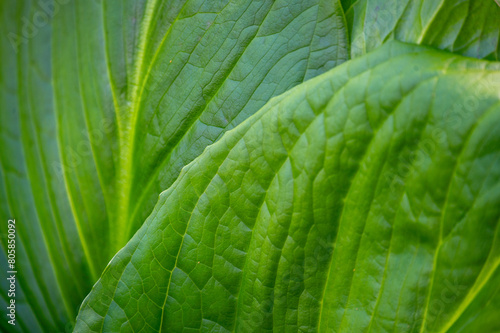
364,200
467,27
103,102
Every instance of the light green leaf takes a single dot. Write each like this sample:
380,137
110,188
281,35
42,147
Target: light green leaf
103,102
467,27
364,200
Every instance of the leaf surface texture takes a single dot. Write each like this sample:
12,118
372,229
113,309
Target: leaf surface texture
364,200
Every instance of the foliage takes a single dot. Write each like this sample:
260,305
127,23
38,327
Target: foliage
366,198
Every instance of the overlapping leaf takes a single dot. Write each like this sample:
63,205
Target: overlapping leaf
364,200
467,27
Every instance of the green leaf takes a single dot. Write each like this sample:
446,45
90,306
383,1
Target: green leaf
467,27
366,199
103,102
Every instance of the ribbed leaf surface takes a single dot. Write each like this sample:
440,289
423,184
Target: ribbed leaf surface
364,200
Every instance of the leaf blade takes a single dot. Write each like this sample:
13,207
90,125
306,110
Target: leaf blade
314,175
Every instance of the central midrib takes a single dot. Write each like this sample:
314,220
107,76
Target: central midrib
126,165
127,135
